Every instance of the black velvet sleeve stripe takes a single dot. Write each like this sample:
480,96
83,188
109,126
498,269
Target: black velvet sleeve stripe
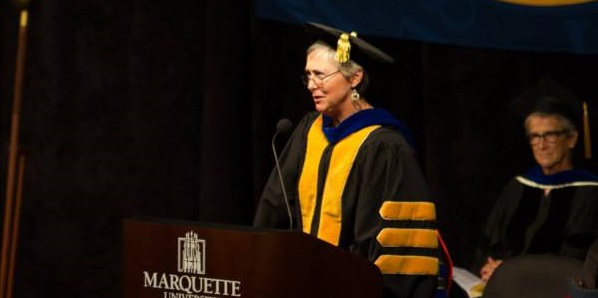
410,224
410,251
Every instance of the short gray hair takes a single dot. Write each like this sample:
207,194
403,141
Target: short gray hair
566,124
348,69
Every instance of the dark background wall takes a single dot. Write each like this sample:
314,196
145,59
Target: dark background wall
166,109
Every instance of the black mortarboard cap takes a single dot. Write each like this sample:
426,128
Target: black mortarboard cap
348,45
547,96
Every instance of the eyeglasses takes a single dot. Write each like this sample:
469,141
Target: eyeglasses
317,78
549,136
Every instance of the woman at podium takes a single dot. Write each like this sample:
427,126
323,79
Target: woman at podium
350,173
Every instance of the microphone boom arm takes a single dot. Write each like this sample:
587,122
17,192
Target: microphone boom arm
282,185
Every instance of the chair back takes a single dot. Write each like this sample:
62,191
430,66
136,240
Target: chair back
531,276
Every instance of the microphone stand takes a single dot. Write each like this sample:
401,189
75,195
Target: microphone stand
7,264
282,186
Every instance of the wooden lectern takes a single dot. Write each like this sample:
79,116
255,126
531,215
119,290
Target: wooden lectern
176,259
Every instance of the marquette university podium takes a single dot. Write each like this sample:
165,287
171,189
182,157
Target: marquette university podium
178,259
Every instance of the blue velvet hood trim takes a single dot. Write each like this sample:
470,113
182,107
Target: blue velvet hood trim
360,120
576,175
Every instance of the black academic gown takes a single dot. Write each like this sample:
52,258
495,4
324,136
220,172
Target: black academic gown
525,221
382,195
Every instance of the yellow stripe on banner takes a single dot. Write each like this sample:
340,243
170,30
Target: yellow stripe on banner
547,2
408,211
408,265
421,238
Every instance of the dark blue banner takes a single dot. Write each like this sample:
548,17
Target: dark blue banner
480,23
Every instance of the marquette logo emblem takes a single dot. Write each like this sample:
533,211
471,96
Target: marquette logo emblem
190,280
192,254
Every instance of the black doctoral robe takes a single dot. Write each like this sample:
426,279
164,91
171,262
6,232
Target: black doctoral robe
526,221
359,186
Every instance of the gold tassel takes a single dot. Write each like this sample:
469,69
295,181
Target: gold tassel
586,132
343,47
24,18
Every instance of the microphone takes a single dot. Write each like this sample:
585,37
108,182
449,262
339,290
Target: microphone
282,126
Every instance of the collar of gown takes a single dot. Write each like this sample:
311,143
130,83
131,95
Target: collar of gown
361,119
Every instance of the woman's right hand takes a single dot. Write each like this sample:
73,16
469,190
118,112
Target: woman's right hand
489,267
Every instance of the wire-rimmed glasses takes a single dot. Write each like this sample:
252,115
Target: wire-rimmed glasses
318,79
